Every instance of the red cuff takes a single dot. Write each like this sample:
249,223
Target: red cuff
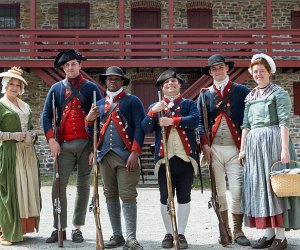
151,113
176,121
203,140
49,134
88,123
136,147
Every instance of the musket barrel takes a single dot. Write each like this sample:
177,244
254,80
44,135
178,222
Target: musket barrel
224,234
169,183
57,203
95,200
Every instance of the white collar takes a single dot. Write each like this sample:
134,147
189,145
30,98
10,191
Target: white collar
111,95
220,85
171,99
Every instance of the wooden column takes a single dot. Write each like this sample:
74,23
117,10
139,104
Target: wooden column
171,14
121,14
269,14
32,14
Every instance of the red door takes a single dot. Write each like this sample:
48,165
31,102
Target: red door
145,18
146,91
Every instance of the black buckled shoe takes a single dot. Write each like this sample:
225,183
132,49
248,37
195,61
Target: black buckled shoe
167,242
77,236
182,242
115,241
241,239
132,244
54,236
278,244
263,243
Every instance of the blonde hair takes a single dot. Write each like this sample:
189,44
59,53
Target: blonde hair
7,80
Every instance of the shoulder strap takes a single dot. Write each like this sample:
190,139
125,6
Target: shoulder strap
173,109
75,92
221,104
110,110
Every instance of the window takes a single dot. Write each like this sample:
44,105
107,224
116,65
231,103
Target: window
9,16
74,15
295,18
199,18
296,100
143,18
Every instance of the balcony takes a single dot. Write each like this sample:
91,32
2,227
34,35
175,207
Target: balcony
148,48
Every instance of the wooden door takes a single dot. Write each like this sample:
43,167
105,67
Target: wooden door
145,18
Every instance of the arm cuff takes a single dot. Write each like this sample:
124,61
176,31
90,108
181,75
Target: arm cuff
176,121
151,113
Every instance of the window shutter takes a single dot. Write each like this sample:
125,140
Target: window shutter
296,98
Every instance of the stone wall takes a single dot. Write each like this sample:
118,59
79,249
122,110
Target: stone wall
229,14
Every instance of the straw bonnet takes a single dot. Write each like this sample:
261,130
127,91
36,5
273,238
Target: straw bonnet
14,72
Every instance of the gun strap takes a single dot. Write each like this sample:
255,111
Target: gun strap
221,106
173,109
111,109
75,92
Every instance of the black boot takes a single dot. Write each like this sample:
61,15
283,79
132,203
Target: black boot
54,236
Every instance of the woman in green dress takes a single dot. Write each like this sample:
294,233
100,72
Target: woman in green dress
265,140
19,169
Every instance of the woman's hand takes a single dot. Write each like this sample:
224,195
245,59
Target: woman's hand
241,157
285,156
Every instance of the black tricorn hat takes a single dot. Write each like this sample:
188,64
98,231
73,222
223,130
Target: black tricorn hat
214,60
114,71
67,55
169,73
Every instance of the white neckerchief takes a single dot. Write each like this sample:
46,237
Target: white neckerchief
222,84
171,99
111,95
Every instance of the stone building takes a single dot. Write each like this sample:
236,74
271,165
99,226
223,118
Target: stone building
145,37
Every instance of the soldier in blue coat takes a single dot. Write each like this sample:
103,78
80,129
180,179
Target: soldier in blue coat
120,144
73,99
180,119
224,101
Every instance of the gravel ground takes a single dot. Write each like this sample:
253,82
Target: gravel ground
201,232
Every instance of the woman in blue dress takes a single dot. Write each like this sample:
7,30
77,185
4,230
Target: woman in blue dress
265,140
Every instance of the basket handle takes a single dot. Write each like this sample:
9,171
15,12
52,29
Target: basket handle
280,162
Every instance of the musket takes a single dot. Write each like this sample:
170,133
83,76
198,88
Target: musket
57,203
214,203
199,163
171,204
95,200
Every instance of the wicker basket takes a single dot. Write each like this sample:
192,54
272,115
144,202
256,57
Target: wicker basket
285,185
